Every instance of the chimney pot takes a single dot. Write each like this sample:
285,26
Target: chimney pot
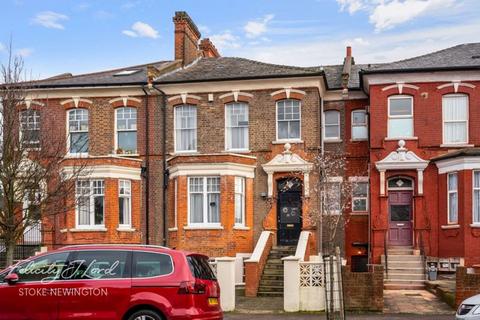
349,51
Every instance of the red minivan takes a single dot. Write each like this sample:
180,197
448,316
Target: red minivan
124,282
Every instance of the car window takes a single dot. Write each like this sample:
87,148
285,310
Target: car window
99,264
44,268
149,264
3,275
200,268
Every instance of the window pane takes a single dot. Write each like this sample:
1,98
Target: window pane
239,199
126,118
476,179
360,205
124,210
213,202
186,128
455,108
283,130
359,132
98,202
452,181
400,212
332,132
146,264
127,141
400,128
83,208
294,130
476,206
237,125
455,132
360,189
196,208
213,184
78,142
359,117
332,117
452,207
100,265
401,107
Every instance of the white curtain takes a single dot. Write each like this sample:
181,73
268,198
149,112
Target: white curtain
476,197
455,117
452,197
186,128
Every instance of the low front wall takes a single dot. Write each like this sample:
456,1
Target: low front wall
363,291
467,284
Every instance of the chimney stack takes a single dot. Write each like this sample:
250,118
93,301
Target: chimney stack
347,68
208,49
187,36
349,51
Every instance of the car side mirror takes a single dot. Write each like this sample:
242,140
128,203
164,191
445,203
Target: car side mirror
12,278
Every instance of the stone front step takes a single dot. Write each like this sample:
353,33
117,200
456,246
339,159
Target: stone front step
390,286
405,264
405,276
267,283
270,294
405,258
271,288
394,252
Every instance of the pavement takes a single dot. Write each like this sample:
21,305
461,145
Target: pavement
319,316
414,301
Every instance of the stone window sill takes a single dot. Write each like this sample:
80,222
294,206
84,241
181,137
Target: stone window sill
203,227
173,229
126,229
88,230
287,141
244,228
332,140
456,145
450,226
475,225
401,138
359,213
127,155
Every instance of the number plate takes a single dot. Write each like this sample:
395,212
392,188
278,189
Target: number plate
213,301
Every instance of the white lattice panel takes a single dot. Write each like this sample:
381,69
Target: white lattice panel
311,274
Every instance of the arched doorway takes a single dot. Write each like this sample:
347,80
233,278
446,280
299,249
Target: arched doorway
400,211
289,211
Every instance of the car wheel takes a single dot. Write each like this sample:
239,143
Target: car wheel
145,315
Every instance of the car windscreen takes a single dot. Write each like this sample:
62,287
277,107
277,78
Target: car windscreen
200,267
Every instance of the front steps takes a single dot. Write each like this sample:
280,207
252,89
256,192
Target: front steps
406,270
271,283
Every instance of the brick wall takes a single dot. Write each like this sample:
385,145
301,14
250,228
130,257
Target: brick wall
363,291
467,284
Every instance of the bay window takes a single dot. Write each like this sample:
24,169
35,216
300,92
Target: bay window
126,127
288,120
204,200
455,119
332,125
185,128
360,197
125,203
476,197
359,125
30,128
78,131
239,201
452,182
236,126
90,197
400,117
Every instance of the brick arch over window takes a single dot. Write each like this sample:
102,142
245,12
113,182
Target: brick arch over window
288,93
30,104
456,87
236,96
76,102
184,98
125,102
401,89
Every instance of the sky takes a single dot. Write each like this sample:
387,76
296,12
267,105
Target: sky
79,36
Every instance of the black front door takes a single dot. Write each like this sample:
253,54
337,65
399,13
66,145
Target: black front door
289,215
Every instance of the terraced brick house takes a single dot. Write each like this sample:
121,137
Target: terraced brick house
195,153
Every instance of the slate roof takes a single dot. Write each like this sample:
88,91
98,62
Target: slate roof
468,152
463,56
231,68
103,78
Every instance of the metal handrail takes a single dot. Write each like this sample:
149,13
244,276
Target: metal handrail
385,251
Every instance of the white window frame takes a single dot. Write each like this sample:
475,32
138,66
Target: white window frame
92,196
81,131
448,197
467,121
228,136
36,122
205,193
337,124
240,181
127,195
360,198
175,128
117,131
400,117
299,120
359,125
175,212
475,189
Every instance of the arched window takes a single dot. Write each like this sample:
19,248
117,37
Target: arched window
126,128
400,117
236,126
185,128
288,119
359,125
332,125
78,131
455,118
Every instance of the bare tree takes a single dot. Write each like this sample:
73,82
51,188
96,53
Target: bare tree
33,185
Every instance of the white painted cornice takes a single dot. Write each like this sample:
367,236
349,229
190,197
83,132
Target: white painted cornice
458,164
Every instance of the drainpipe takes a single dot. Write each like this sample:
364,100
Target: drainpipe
147,169
369,252
321,121
164,164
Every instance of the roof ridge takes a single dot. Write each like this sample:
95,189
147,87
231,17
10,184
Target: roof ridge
106,71
270,64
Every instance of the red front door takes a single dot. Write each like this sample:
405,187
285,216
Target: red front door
400,218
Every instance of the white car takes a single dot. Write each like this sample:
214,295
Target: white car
469,309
